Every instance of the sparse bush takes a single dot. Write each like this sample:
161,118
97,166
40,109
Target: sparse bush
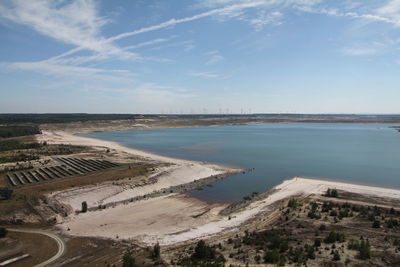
204,255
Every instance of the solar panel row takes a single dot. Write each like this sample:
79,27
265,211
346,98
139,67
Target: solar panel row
68,167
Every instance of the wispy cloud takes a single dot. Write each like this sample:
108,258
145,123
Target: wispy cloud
148,43
215,57
72,22
388,13
70,71
359,51
391,10
266,18
78,23
208,75
75,22
386,45
174,21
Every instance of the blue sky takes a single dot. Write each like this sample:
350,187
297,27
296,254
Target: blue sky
236,56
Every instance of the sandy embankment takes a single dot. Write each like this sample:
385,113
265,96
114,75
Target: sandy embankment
108,193
170,220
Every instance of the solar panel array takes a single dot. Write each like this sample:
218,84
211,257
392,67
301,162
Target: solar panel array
68,167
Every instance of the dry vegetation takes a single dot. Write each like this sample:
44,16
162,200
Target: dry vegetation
318,231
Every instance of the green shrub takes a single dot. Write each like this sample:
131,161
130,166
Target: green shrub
334,237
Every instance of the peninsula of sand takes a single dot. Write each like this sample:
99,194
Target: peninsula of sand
172,217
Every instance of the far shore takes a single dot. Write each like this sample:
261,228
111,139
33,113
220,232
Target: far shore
63,137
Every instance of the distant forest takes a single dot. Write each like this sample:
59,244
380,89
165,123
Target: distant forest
29,118
60,118
14,131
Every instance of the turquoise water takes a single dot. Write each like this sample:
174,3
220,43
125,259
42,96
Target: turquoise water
366,153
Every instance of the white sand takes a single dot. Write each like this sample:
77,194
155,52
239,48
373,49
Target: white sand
168,220
144,221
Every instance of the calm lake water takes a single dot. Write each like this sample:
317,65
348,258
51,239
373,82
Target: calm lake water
364,153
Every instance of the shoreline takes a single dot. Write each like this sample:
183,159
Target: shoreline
345,181
73,139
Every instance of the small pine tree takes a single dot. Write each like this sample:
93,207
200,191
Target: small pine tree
84,206
272,256
311,253
156,251
292,203
376,224
336,256
3,232
128,260
317,242
364,250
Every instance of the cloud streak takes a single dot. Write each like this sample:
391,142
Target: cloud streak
75,22
215,57
174,21
207,75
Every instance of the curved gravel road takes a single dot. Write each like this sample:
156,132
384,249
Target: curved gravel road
60,243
